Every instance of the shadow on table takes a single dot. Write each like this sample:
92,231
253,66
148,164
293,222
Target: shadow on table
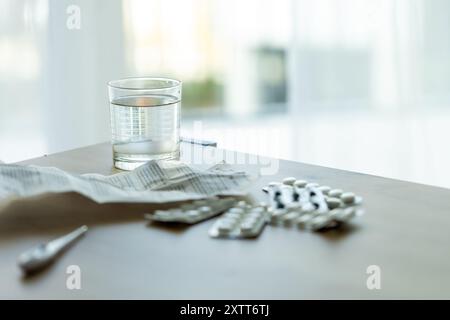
59,213
341,233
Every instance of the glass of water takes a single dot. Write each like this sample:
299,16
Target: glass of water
145,120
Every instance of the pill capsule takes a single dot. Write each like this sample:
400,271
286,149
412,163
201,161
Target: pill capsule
232,215
324,189
192,213
204,209
335,213
230,219
159,213
236,210
263,205
251,220
347,214
251,217
348,197
312,185
271,185
257,210
255,214
303,220
333,203
241,204
335,193
319,222
260,209
289,181
224,228
277,215
350,212
289,218
300,183
247,228
307,207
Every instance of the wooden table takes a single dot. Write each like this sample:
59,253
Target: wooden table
405,232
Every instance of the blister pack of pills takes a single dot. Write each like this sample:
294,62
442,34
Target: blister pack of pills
194,212
241,221
310,206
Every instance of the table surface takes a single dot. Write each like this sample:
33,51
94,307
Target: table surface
404,232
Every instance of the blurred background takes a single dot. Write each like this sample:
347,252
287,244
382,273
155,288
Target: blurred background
360,85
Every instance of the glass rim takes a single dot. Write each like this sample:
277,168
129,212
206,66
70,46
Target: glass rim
115,83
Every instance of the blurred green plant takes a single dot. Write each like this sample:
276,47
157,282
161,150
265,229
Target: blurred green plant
207,93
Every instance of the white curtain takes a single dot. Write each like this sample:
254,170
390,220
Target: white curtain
359,54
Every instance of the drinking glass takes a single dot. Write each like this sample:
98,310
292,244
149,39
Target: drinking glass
145,120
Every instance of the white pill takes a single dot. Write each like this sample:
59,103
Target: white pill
241,204
271,185
204,209
300,183
319,222
232,215
333,203
236,210
277,215
230,219
160,213
279,211
251,220
312,185
289,218
247,228
257,209
263,204
348,214
255,214
307,207
335,213
303,220
350,211
345,215
348,197
289,181
325,189
225,228
192,213
338,216
335,193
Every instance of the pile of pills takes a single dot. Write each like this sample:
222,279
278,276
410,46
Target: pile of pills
194,212
310,205
241,221
293,202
